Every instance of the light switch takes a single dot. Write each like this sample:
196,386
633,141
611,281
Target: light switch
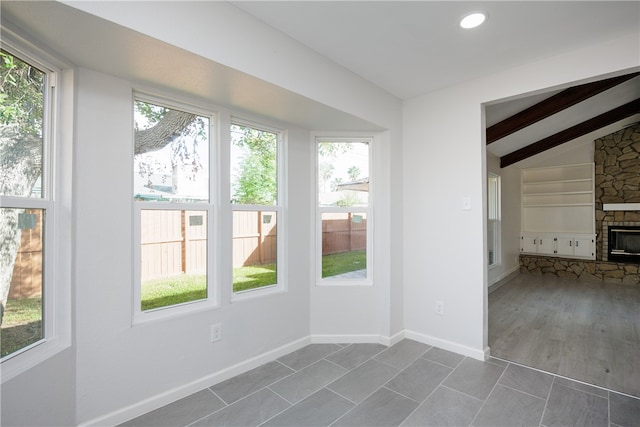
466,203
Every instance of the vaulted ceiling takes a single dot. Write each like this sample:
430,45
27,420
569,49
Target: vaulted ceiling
563,116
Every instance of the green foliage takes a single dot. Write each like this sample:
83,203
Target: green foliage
21,324
21,95
344,262
254,276
173,290
353,172
349,198
257,183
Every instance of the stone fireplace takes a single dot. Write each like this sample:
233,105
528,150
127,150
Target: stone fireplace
617,206
617,185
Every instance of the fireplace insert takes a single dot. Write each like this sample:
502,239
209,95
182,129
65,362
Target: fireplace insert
624,243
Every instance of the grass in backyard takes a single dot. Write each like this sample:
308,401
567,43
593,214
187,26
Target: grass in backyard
253,277
21,324
344,262
173,290
185,288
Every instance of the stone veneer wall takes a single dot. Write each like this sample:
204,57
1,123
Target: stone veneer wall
581,269
617,180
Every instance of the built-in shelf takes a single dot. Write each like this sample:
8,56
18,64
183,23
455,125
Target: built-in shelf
558,202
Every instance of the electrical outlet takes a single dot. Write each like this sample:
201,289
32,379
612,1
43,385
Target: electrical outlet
440,308
216,332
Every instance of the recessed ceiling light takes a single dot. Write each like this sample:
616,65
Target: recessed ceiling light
473,20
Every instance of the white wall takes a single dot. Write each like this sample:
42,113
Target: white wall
443,143
119,364
121,370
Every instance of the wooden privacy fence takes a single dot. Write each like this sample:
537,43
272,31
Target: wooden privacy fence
175,242
254,238
343,232
26,279
172,242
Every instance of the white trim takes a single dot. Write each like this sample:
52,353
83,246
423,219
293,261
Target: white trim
55,201
154,402
368,210
363,338
280,208
621,207
475,353
121,415
505,275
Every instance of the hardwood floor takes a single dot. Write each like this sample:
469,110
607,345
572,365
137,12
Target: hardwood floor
588,331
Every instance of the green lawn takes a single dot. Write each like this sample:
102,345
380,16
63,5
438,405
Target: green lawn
21,324
345,262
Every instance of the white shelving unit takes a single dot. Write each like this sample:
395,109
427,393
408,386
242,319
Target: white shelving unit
558,211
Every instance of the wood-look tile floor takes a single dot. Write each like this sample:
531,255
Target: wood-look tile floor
588,331
408,384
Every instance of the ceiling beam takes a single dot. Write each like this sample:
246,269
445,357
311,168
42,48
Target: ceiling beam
571,133
552,105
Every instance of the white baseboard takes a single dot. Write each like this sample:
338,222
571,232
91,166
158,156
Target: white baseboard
475,353
157,401
348,339
503,278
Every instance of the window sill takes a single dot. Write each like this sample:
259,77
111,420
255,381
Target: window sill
257,293
21,362
170,312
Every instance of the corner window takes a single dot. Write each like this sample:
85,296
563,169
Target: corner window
172,209
343,211
256,204
26,205
493,219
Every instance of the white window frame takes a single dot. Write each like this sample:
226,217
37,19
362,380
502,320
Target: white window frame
496,207
56,159
279,208
368,210
213,295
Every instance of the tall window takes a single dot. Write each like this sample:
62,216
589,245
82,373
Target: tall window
493,219
256,205
26,204
343,210
173,213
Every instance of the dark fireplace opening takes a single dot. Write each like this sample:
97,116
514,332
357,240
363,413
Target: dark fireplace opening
624,243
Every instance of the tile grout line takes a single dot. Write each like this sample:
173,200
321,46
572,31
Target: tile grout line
546,401
440,384
484,401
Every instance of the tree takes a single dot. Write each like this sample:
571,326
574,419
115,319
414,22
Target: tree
21,148
326,172
353,172
158,127
257,181
21,121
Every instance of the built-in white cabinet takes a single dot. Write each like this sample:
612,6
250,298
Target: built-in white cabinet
560,245
558,211
537,244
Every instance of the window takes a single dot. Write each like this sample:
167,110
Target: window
172,209
256,201
493,216
26,205
343,211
